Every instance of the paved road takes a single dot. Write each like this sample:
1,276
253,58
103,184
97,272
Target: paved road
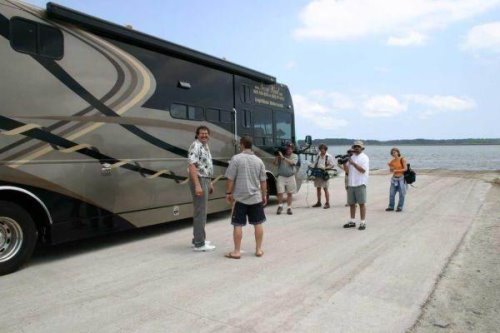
314,276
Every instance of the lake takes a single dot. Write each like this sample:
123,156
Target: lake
464,157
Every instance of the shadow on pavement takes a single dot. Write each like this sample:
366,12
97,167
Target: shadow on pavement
46,253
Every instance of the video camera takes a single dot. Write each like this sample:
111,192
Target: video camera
282,148
342,159
279,150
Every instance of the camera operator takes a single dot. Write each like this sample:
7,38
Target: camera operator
358,168
286,176
324,161
340,163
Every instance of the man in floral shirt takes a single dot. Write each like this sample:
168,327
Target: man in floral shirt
201,171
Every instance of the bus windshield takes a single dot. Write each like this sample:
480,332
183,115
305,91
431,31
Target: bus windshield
283,126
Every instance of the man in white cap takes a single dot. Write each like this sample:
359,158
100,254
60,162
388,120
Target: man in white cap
358,168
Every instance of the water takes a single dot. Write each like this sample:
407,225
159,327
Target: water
434,157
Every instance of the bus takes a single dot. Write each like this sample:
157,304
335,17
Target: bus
96,119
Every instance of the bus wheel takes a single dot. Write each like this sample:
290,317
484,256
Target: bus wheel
18,236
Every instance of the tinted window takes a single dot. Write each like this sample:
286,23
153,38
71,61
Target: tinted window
35,38
212,115
263,127
246,94
248,119
23,35
195,113
226,117
178,111
283,126
51,42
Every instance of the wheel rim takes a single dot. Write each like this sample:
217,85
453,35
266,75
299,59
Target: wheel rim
11,238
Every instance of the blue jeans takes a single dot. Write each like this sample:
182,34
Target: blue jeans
397,186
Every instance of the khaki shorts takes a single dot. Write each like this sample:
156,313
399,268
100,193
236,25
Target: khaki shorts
286,184
318,182
356,195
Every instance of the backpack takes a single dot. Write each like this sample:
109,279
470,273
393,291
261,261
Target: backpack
318,173
410,175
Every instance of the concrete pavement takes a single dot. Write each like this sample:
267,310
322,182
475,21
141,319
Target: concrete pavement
315,276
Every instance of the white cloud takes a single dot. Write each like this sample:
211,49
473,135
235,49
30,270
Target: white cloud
413,38
412,20
335,100
321,107
383,106
485,37
318,94
317,112
340,101
440,104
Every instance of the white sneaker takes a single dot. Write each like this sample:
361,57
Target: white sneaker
204,248
206,243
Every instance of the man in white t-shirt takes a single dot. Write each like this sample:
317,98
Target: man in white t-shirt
358,169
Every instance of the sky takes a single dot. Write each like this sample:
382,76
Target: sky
364,69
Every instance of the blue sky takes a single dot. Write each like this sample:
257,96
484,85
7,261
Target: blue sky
369,69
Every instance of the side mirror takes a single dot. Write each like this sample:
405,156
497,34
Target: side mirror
308,140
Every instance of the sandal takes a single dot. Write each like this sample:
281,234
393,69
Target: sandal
230,255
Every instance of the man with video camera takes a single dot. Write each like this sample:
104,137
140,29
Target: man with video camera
341,160
286,162
324,161
357,167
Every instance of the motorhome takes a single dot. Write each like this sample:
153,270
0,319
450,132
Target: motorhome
95,123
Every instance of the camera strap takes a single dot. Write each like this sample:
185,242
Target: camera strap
317,160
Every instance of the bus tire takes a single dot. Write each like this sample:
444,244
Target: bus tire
18,236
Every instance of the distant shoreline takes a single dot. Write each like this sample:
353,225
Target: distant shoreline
419,144
413,142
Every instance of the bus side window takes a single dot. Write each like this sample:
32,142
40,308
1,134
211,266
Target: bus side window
246,120
246,94
263,127
50,42
283,126
227,120
222,117
23,35
178,111
226,117
36,39
195,113
212,115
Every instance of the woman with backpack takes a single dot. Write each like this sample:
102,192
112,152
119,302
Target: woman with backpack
397,165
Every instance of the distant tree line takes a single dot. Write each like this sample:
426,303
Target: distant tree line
419,142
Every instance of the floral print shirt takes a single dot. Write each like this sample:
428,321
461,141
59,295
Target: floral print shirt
199,155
